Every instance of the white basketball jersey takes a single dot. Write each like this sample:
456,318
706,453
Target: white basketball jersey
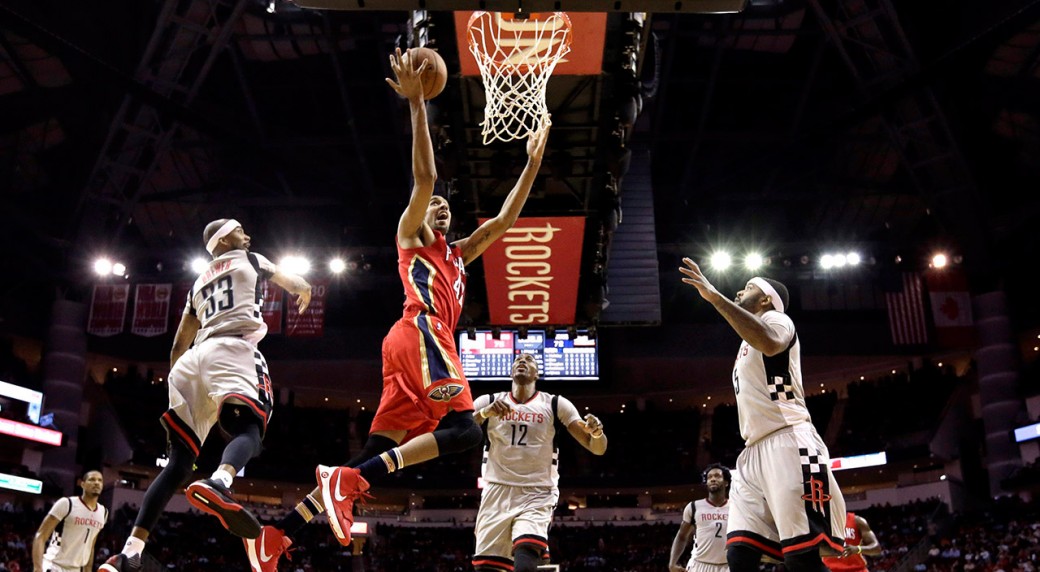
520,448
71,543
227,297
709,522
769,389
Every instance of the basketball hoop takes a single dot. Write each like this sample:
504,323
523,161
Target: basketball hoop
516,57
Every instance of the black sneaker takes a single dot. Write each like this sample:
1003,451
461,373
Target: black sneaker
121,563
212,497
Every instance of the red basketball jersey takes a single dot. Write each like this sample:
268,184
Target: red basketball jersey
855,562
434,279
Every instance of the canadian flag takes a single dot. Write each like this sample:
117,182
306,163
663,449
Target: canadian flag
951,307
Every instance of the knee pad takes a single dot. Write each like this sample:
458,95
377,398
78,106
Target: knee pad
236,418
742,558
527,556
808,561
458,432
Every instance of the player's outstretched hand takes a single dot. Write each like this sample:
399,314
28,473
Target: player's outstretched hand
409,79
303,300
593,426
694,277
536,142
497,408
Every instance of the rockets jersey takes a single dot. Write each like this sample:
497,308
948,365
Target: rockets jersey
434,279
854,562
769,389
520,449
72,542
709,522
227,297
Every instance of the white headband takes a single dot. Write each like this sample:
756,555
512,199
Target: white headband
225,230
768,290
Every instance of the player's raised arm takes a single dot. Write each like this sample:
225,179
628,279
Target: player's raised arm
412,231
295,285
588,431
475,244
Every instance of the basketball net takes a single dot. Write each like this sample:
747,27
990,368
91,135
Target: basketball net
516,58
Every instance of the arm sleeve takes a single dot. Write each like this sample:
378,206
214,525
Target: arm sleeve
566,412
61,509
264,267
481,402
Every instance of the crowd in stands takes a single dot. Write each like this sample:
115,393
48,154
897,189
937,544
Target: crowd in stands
1002,537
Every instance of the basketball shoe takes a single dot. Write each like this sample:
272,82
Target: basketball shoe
340,487
121,563
212,497
264,550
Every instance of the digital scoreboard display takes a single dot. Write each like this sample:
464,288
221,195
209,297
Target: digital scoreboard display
559,358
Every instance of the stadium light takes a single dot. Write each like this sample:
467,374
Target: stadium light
336,265
721,260
119,269
753,261
295,265
199,265
102,267
939,260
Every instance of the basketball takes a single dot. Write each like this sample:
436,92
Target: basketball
435,76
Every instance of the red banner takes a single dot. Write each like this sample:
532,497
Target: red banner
532,271
588,33
151,309
108,309
273,295
310,324
951,307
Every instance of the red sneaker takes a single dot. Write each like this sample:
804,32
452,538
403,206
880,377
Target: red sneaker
340,487
264,550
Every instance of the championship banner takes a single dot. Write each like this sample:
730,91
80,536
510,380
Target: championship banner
532,271
271,310
108,309
310,324
951,307
588,33
151,309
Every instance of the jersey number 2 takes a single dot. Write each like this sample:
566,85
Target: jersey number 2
226,293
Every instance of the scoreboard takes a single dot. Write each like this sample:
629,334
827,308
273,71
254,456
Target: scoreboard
559,358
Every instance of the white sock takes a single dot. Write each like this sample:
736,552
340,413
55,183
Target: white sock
133,546
223,476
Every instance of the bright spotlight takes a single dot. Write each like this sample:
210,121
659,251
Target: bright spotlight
199,265
720,261
853,258
753,261
839,260
827,261
119,269
296,265
336,265
939,261
103,266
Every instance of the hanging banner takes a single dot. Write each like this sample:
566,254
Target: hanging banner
951,307
151,309
310,324
271,310
108,309
532,271
905,302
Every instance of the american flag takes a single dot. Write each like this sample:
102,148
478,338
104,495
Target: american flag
906,312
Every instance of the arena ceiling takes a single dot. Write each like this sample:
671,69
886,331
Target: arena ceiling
894,127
